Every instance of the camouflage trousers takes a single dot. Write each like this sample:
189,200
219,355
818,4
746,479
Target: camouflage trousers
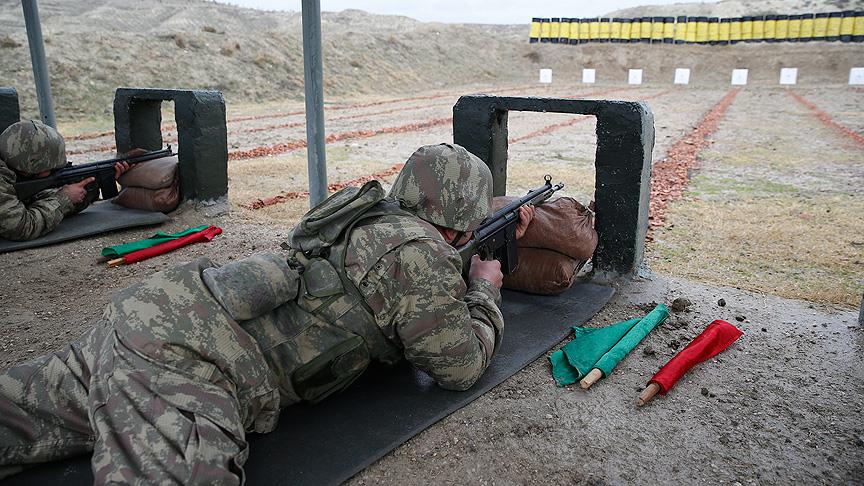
154,406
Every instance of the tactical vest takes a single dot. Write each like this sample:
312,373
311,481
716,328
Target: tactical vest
321,339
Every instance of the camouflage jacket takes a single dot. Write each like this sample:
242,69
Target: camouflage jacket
27,220
420,302
399,294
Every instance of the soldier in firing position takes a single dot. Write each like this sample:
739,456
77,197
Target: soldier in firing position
165,386
33,149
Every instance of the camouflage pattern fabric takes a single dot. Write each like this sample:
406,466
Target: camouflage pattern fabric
166,385
445,185
31,147
163,390
420,302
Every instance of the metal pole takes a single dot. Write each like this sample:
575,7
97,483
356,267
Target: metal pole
314,86
37,58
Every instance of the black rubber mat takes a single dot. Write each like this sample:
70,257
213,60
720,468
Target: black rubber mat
97,218
329,442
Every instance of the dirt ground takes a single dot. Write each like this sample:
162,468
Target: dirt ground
781,405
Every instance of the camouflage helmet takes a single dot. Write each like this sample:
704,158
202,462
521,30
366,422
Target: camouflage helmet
33,147
445,185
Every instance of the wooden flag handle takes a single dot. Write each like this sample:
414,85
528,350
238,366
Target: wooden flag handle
116,262
647,394
592,377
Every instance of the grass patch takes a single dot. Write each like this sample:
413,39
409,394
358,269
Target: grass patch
706,185
811,250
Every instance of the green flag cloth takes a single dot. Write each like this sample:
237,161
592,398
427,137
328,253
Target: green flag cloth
120,250
610,360
562,371
601,347
577,358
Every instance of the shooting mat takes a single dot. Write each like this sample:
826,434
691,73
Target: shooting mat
330,442
98,218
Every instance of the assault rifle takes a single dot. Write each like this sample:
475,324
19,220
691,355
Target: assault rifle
496,236
102,170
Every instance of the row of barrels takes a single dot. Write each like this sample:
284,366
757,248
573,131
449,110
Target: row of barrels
846,26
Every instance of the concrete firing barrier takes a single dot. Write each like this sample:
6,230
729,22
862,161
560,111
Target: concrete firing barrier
845,26
625,139
9,110
202,135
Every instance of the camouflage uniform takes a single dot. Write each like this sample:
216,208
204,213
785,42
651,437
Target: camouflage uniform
182,365
32,147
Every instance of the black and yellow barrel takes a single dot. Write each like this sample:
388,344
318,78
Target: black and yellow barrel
770,27
735,30
747,29
794,28
593,30
808,23
725,31
626,24
713,30
605,27
544,30
657,30
584,31
858,28
635,30
680,36
847,25
701,30
534,36
574,32
758,29
820,26
781,30
615,30
564,32
668,30
554,30
833,30
645,30
690,36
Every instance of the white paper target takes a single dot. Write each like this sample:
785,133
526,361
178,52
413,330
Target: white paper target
546,76
682,76
788,75
588,75
739,77
856,75
635,76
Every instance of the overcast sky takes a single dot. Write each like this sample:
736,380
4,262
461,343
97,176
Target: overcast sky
474,11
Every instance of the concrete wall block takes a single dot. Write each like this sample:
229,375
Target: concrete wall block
10,111
625,139
202,134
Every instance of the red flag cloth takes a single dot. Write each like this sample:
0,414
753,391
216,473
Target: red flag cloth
714,339
201,236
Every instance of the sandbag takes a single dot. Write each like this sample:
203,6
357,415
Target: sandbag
162,200
563,225
542,271
152,174
151,186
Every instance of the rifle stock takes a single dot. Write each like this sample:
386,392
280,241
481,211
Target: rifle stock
496,236
102,171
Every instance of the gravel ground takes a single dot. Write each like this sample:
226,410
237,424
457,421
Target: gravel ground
781,405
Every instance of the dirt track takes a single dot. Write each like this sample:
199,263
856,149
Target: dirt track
786,401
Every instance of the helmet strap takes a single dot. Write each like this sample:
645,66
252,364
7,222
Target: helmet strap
459,235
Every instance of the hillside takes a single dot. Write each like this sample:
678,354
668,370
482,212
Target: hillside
249,55
253,56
